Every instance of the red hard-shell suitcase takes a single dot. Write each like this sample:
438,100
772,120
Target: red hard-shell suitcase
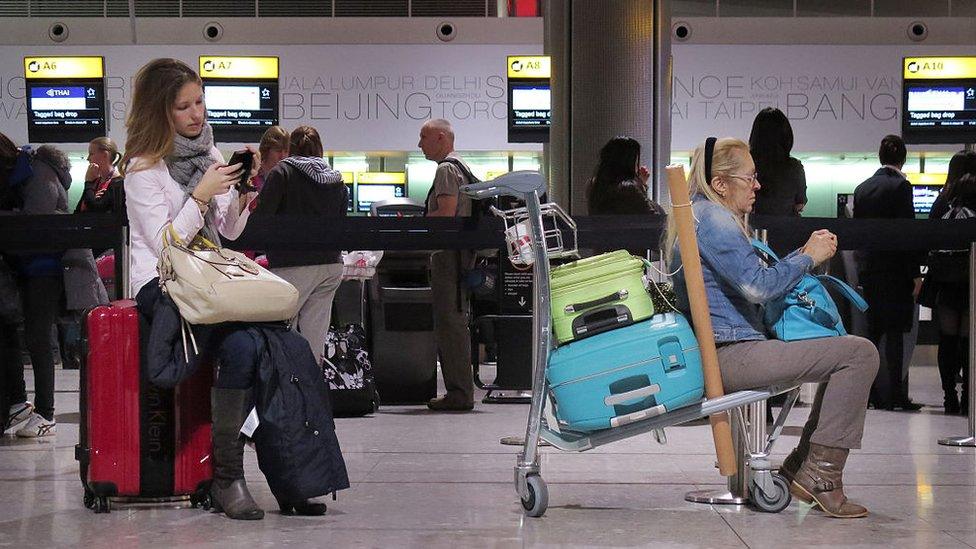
138,440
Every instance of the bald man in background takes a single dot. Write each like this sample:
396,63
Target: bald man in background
451,303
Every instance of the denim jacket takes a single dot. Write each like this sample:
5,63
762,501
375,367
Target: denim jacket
737,281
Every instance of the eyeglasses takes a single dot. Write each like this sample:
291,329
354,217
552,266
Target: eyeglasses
750,179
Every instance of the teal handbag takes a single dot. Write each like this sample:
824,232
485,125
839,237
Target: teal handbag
807,310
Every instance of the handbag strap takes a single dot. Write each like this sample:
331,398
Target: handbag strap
845,290
766,250
172,238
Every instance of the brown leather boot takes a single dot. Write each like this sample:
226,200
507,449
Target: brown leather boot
793,461
818,481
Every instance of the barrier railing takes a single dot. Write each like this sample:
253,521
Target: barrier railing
59,232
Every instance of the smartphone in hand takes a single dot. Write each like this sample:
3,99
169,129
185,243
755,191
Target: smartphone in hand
246,159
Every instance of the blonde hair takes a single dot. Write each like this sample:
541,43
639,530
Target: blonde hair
106,144
725,161
275,138
150,122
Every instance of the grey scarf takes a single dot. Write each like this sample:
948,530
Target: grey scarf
187,164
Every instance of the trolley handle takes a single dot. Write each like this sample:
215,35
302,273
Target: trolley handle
517,184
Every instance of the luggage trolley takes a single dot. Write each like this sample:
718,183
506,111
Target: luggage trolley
535,235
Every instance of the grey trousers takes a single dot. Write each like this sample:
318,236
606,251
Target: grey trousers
844,366
317,285
451,310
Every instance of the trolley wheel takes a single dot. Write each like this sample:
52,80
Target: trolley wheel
101,505
538,500
771,503
89,499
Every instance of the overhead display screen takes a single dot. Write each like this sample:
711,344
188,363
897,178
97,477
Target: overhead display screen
939,100
65,99
529,99
241,94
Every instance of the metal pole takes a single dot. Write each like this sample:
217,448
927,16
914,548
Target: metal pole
661,154
971,439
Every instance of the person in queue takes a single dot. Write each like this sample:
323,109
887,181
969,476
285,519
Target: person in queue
723,187
273,148
783,183
451,303
102,179
947,282
305,184
891,280
175,177
45,281
619,182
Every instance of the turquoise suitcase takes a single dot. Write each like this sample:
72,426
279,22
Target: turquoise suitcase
626,375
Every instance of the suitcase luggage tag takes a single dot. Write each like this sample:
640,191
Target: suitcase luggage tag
600,319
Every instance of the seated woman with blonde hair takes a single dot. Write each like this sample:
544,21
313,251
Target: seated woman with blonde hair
738,283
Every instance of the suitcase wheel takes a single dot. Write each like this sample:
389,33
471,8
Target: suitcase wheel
201,500
89,499
101,505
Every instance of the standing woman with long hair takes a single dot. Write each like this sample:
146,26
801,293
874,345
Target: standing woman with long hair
946,286
305,184
783,182
619,183
174,176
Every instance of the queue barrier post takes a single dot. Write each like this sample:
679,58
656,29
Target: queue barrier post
970,439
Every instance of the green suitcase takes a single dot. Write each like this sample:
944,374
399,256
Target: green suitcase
596,294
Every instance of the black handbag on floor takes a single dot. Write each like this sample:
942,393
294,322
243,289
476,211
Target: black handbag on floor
349,373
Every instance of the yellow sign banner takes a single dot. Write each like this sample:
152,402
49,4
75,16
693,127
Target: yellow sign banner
529,66
238,67
933,68
381,178
929,178
64,67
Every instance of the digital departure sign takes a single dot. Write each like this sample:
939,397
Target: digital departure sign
65,99
241,95
529,99
939,100
925,189
376,186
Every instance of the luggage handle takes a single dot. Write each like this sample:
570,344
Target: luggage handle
619,295
653,411
602,320
636,394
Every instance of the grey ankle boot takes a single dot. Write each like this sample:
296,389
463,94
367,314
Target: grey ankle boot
229,493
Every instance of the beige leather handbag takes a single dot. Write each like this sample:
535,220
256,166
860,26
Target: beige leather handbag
210,284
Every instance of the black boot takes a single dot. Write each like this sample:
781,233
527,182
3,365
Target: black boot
948,357
304,507
229,493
